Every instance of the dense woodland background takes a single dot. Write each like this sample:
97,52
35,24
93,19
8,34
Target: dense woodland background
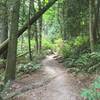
69,28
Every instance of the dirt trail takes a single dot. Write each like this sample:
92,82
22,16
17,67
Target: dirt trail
51,82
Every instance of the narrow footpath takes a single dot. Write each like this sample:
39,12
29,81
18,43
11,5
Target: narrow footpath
51,82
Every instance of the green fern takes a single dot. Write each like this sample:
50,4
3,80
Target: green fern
92,93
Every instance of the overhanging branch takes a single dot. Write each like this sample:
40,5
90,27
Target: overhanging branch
34,18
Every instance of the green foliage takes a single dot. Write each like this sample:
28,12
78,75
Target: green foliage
50,14
76,16
77,57
66,50
2,75
23,43
25,66
80,41
28,68
1,87
58,44
74,47
92,93
87,63
47,44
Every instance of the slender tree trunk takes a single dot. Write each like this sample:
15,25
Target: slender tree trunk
41,36
12,46
64,12
96,20
59,19
23,14
35,31
40,26
29,33
36,37
90,26
3,25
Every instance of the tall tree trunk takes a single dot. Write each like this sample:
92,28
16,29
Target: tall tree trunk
90,26
96,20
23,14
3,25
29,33
36,37
12,46
64,12
40,26
59,19
35,31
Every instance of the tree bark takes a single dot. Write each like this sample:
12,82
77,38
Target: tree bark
35,30
3,25
12,46
65,37
96,20
40,27
90,26
29,33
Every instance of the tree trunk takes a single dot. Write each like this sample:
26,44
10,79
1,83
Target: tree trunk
35,29
64,12
12,46
29,33
96,20
3,25
36,37
40,27
90,27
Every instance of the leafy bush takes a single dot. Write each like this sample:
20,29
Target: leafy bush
47,44
77,56
58,44
1,87
92,93
66,50
88,62
24,44
38,57
28,68
74,47
80,40
2,76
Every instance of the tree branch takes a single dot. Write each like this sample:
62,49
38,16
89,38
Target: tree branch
34,18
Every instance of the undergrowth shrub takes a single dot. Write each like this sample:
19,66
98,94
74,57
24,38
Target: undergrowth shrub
25,66
77,56
80,40
93,92
23,43
47,44
58,44
38,57
28,68
88,63
75,47
66,50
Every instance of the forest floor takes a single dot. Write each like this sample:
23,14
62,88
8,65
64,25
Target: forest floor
51,82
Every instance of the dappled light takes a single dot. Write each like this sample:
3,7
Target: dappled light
50,70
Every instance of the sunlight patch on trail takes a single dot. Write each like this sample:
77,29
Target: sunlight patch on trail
50,70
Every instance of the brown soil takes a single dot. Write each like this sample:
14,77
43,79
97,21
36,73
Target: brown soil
51,82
